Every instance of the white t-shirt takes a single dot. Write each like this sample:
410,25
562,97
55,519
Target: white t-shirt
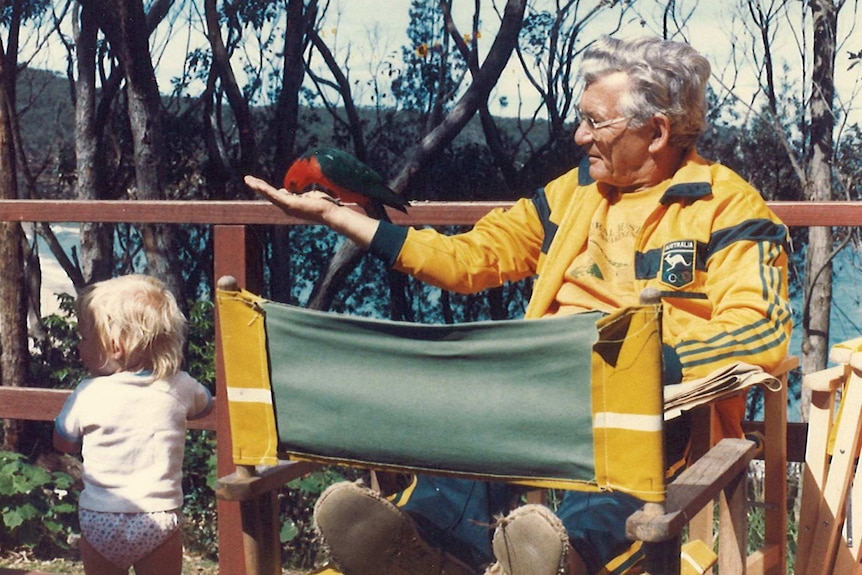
133,431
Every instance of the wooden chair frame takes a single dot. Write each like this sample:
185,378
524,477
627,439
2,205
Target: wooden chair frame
719,473
830,521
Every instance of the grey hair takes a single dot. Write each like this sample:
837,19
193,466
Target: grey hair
665,77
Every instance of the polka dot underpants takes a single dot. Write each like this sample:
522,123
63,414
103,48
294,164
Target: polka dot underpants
126,538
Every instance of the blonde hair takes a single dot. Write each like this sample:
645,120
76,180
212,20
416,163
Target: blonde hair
139,316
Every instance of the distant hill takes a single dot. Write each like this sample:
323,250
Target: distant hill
46,113
47,119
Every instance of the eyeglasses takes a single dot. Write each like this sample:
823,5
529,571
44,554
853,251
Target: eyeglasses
592,125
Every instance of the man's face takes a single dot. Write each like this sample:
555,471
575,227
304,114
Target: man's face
619,154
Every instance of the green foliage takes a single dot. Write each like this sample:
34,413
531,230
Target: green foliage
200,352
37,508
757,515
199,501
794,502
253,13
755,151
537,28
299,543
433,72
467,169
54,362
47,119
29,10
199,464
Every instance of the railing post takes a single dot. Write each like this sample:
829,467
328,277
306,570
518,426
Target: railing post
236,252
775,467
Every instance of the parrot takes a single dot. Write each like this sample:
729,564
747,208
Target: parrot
343,177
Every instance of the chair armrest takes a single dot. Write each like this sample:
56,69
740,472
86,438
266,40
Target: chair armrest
694,488
247,483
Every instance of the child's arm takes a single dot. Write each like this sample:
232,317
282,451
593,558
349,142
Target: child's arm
68,429
66,445
199,399
68,437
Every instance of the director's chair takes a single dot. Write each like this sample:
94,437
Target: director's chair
830,516
572,402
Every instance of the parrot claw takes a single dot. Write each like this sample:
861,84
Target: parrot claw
324,193
329,198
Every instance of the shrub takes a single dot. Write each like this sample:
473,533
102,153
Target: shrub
54,360
199,501
38,508
199,465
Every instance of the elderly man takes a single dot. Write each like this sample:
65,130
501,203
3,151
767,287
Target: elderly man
642,210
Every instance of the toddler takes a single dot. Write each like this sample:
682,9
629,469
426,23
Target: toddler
129,421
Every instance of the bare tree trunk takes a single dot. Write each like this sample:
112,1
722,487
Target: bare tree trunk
125,25
493,137
818,277
236,99
483,82
13,307
32,281
96,238
300,18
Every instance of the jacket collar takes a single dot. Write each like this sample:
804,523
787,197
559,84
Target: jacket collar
692,181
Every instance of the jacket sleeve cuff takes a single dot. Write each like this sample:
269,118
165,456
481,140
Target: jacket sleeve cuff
387,242
671,365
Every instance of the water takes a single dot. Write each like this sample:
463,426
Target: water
54,278
846,310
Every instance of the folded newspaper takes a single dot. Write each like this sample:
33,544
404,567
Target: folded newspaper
720,383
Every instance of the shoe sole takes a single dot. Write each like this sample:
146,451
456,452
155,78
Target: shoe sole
531,540
368,535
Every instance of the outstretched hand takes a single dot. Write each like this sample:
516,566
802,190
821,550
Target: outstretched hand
316,206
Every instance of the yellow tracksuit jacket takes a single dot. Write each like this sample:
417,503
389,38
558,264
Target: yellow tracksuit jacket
711,246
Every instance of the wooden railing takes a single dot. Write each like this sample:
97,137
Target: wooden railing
236,253
801,214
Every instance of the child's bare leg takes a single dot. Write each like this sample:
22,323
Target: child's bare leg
166,559
95,564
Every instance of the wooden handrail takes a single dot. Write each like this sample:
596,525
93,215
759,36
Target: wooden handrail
40,404
216,212
801,214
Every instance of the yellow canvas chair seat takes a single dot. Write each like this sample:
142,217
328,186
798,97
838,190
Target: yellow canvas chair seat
830,523
573,402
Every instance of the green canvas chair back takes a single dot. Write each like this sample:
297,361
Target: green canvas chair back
572,402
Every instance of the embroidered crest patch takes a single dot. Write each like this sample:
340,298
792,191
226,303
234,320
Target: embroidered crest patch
677,263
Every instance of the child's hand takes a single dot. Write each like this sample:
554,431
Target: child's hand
64,445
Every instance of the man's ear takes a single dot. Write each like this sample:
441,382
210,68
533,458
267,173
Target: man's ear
660,133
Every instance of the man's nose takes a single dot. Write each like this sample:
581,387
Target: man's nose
582,135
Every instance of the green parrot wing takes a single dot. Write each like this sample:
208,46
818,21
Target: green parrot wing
345,170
